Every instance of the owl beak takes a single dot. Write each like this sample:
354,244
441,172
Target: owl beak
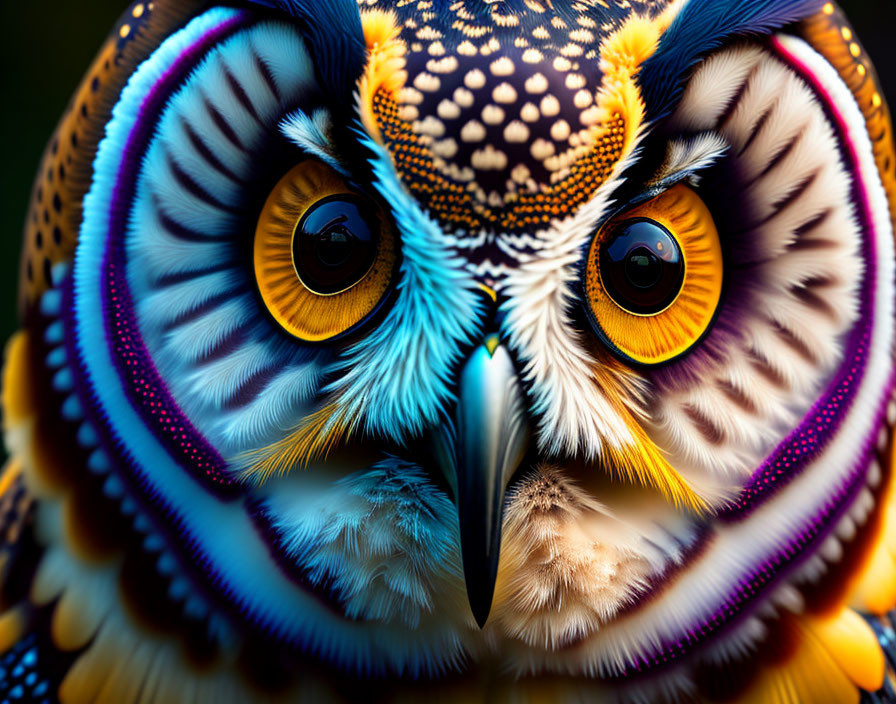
479,454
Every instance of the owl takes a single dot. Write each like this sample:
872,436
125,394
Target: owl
482,350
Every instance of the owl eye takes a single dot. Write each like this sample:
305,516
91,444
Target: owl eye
654,277
324,254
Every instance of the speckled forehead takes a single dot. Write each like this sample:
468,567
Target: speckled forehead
502,95
506,108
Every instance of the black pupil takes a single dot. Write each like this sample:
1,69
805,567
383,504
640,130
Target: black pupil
641,266
334,244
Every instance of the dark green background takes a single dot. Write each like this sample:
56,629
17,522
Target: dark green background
48,44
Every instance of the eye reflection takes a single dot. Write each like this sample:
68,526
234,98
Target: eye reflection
641,266
334,245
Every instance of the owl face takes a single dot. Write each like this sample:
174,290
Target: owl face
408,334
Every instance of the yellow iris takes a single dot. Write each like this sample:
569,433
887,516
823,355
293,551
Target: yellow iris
667,300
291,256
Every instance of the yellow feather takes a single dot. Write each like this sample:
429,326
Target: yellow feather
621,56
874,591
16,395
11,472
313,439
810,675
12,625
385,65
623,52
889,510
852,643
645,464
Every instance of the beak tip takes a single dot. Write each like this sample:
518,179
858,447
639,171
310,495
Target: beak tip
479,545
481,604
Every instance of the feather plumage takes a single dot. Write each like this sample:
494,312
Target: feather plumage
701,27
322,397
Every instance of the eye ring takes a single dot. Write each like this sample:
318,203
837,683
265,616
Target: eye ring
677,322
326,309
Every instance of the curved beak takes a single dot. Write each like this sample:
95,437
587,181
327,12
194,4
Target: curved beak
479,453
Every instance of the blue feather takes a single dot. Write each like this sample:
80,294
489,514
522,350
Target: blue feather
87,437
64,381
57,358
72,410
55,333
333,30
702,27
398,379
384,539
98,462
113,488
51,303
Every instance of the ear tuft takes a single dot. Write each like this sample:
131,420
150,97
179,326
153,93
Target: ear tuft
333,31
701,27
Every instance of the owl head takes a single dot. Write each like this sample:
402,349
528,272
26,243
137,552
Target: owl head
419,338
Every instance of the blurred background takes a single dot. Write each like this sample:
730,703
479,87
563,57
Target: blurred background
46,45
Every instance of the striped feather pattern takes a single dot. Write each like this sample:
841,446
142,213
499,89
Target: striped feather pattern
192,223
795,268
